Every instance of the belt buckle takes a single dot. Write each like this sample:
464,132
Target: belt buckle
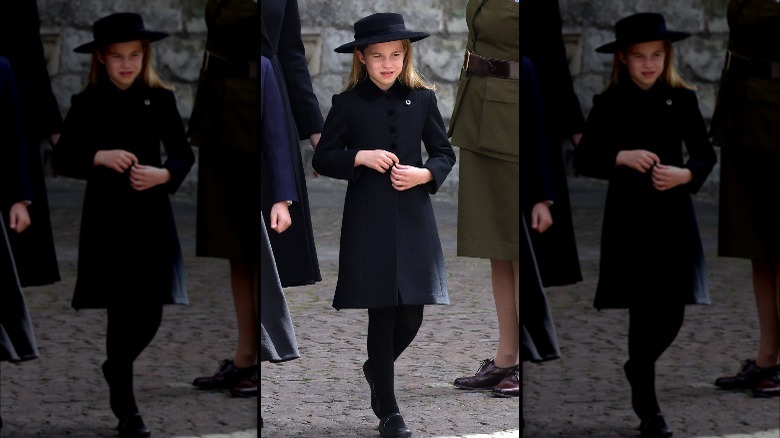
468,58
206,61
727,67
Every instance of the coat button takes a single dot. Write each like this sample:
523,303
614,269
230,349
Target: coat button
669,102
408,102
393,146
146,102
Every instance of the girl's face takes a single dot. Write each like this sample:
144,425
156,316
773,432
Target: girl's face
384,62
123,62
645,62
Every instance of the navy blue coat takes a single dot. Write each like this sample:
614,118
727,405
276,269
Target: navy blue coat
17,341
651,251
390,252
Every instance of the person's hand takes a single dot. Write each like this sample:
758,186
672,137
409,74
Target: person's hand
19,217
405,177
575,138
541,219
314,139
377,159
638,159
666,177
117,159
146,177
54,139
280,217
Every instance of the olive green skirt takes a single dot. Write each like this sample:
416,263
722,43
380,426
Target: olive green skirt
488,207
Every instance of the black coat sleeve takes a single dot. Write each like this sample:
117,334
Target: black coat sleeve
701,155
74,155
292,56
441,157
332,157
180,157
275,143
595,155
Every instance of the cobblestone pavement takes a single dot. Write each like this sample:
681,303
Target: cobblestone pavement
584,394
63,394
323,394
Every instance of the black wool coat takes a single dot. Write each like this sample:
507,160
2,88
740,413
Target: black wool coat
128,247
542,42
390,253
17,340
280,41
20,43
651,250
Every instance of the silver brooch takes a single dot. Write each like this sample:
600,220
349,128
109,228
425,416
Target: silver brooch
669,102
146,102
408,102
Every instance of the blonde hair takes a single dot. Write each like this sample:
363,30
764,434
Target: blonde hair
409,75
670,74
148,75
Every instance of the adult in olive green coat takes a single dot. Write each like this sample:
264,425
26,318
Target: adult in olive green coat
745,126
224,127
485,125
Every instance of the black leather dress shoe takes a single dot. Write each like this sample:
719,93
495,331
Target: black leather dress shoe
370,379
133,426
748,377
226,377
246,387
393,426
770,386
654,427
487,377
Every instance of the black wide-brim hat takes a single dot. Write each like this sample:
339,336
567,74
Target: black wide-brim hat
118,28
380,28
640,28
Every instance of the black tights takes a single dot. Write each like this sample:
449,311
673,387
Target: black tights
130,330
651,331
390,331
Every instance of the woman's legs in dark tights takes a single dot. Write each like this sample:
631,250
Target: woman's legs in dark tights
130,330
390,331
652,329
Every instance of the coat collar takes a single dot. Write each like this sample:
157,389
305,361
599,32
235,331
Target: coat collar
368,90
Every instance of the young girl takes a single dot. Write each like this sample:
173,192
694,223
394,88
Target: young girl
390,259
17,340
130,261
652,261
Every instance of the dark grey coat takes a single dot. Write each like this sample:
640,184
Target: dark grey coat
651,250
390,250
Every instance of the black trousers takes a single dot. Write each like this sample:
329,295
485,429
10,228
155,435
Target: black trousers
390,331
652,329
130,330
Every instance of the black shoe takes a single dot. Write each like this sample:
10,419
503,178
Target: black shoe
133,426
226,377
370,379
654,427
748,376
393,426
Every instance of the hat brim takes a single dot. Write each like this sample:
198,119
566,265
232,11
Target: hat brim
145,35
411,36
614,46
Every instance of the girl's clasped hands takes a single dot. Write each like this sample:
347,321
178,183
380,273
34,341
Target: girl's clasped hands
141,177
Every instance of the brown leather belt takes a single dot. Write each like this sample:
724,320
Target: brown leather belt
233,67
743,66
479,65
